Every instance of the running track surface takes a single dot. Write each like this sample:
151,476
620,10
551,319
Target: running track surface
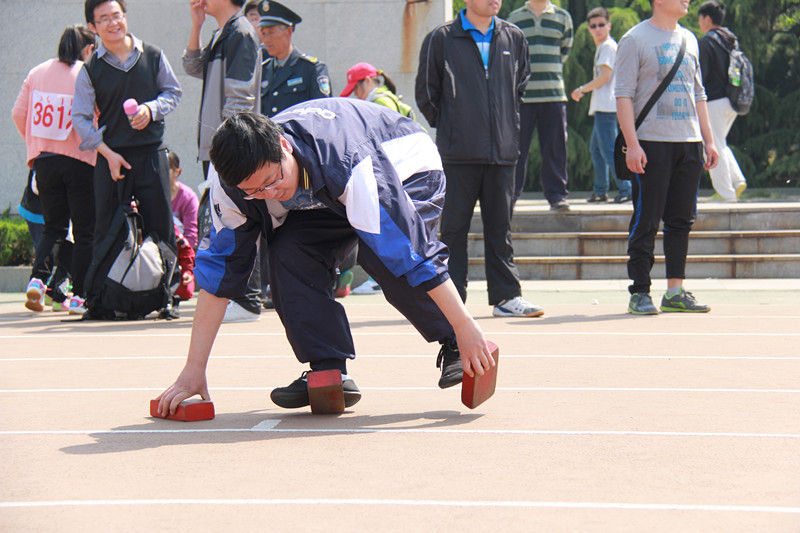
601,422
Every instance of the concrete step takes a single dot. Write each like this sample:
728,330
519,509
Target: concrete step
582,217
614,267
616,243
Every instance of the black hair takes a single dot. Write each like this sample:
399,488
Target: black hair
250,5
714,10
90,5
386,81
244,143
389,83
597,12
239,3
73,41
174,160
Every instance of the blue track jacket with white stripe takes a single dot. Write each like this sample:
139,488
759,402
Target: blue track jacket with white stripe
359,157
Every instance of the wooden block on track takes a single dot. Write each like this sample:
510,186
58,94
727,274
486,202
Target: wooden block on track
478,389
325,392
187,411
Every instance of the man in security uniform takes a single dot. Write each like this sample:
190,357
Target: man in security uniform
325,176
288,76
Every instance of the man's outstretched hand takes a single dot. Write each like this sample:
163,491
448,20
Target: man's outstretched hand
476,358
189,383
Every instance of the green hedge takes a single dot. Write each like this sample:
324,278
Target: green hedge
16,245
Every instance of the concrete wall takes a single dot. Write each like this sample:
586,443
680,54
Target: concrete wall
386,33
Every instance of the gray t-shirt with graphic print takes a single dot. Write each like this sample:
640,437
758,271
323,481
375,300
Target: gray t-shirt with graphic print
644,57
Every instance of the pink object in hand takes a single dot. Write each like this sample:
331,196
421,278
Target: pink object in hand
130,106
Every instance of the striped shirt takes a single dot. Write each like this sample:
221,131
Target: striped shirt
549,43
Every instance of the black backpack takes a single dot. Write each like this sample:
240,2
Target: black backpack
740,87
129,276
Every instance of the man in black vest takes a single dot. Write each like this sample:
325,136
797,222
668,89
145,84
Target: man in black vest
129,146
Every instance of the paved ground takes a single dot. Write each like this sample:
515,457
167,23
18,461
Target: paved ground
602,422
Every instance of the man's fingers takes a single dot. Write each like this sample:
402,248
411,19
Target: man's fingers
176,401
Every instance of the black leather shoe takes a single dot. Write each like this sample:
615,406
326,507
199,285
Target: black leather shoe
296,394
449,360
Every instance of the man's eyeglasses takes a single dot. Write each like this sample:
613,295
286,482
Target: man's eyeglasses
600,25
103,21
271,185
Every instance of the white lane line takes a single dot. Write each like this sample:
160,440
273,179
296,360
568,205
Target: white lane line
618,506
414,356
660,333
266,425
338,431
388,389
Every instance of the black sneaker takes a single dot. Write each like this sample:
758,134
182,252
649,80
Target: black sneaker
449,360
560,205
296,394
597,198
622,198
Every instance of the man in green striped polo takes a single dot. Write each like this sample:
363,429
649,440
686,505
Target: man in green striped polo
548,29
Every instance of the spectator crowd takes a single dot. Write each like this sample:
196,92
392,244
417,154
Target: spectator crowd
485,84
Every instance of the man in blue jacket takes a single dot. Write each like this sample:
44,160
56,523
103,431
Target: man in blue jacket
324,176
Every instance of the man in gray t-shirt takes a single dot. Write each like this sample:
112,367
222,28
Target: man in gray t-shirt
603,108
665,153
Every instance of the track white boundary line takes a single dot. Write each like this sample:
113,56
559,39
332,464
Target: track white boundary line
618,506
388,389
415,334
338,431
412,356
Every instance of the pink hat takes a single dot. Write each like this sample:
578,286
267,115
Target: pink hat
358,72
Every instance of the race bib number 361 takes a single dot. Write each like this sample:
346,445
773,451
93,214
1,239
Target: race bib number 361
51,116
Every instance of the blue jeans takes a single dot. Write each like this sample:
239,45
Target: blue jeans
601,147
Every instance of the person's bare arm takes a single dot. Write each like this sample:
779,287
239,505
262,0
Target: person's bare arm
192,380
197,10
115,161
596,83
475,355
635,156
712,156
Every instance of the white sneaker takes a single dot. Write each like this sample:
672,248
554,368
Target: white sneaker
35,294
368,287
77,305
517,307
236,313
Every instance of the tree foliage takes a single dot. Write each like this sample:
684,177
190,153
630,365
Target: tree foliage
766,142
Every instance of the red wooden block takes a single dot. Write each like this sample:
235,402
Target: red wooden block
187,411
325,392
478,389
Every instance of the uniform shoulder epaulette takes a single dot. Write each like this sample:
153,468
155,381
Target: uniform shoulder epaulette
310,59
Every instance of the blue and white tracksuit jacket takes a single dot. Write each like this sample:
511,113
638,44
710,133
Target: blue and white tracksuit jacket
373,173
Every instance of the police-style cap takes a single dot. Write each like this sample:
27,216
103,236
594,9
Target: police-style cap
274,13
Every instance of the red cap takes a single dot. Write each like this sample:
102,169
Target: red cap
358,72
